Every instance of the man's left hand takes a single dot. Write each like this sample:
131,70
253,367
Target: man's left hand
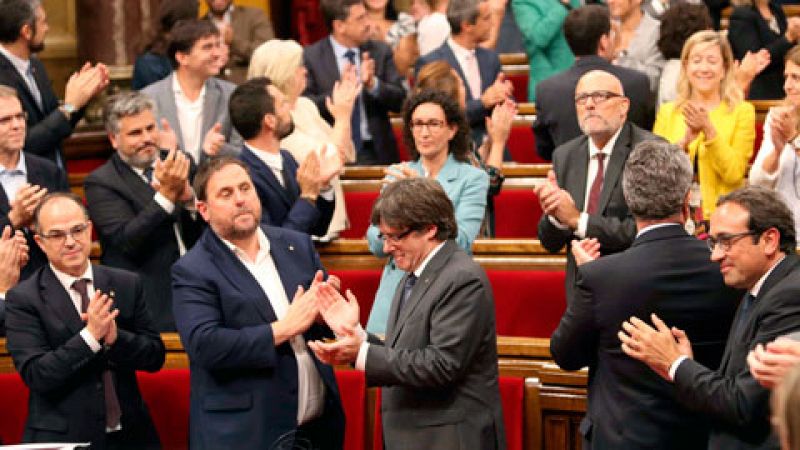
342,351
367,70
657,347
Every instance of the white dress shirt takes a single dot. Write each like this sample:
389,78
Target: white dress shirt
66,281
190,117
310,389
13,178
469,67
341,61
275,163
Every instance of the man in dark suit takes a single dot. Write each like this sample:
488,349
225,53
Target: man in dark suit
254,382
665,271
752,237
77,334
438,361
588,33
23,25
27,177
295,197
382,90
582,196
140,203
191,98
479,68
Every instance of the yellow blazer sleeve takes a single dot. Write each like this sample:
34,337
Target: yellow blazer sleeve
669,123
730,150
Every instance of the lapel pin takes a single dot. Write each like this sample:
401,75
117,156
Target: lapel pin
112,294
291,248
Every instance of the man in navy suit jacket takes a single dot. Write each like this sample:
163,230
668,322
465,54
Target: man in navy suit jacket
470,24
295,197
254,382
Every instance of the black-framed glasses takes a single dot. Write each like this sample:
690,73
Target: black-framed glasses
726,241
60,236
395,238
597,97
21,116
431,125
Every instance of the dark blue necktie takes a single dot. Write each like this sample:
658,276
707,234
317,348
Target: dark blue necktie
408,286
355,118
148,174
744,312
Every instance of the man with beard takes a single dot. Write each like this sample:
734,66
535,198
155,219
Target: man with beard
25,178
296,197
254,382
582,197
23,26
140,200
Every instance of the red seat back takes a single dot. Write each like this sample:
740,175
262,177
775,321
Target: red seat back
516,213
522,144
512,395
353,392
520,82
359,208
166,394
13,407
528,303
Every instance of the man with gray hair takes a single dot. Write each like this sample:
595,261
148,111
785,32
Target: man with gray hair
141,202
665,271
479,68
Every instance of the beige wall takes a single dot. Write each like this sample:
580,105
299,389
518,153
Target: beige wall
61,44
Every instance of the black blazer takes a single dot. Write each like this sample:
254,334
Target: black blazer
613,226
556,118
734,401
282,206
137,234
47,126
320,61
44,173
748,31
667,272
66,402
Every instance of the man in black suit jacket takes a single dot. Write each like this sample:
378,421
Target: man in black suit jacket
588,33
140,203
295,197
81,367
22,31
665,271
571,210
382,90
28,177
470,24
752,237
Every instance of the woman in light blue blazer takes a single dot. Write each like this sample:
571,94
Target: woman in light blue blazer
437,135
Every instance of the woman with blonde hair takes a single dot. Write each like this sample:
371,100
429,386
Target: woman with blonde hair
282,62
709,119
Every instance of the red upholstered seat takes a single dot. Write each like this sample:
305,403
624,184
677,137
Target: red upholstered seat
520,82
166,394
364,284
522,144
353,392
757,142
359,208
77,166
528,303
516,213
402,151
13,407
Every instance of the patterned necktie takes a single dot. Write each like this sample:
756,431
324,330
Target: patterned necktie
744,313
473,74
113,411
148,174
355,118
597,185
408,286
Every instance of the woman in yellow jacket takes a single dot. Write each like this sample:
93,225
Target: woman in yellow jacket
709,118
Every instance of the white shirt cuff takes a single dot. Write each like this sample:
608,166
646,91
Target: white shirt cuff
583,222
557,224
375,84
361,359
90,340
674,367
327,193
165,203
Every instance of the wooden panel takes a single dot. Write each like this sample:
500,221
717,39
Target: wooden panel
60,54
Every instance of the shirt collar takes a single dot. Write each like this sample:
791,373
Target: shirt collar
66,279
339,50
272,160
176,88
607,149
20,168
757,287
655,226
20,64
263,246
459,51
421,268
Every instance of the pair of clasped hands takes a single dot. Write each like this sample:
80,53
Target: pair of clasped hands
323,303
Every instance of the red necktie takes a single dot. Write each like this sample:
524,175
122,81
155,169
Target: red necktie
597,186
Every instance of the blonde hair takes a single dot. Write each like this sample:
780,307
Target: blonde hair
438,75
786,408
728,90
277,60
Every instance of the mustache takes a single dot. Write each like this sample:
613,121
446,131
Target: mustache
147,144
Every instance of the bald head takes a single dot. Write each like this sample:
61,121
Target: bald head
601,105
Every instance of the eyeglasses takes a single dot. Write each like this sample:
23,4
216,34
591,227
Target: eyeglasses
726,241
597,97
394,238
21,116
60,236
431,125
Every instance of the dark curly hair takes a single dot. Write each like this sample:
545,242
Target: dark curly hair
678,23
459,145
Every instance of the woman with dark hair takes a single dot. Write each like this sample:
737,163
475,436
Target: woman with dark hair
153,63
437,136
678,23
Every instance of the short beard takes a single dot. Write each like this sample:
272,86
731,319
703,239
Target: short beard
36,48
139,162
286,130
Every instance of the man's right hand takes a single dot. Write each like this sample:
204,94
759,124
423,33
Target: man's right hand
11,250
301,313
172,174
308,177
27,199
99,316
85,84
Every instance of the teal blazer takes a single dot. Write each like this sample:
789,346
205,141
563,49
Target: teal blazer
467,187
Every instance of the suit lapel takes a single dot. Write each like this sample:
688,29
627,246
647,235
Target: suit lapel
450,57
429,274
210,105
329,65
283,254
292,189
138,190
264,175
615,165
170,109
21,84
575,180
59,301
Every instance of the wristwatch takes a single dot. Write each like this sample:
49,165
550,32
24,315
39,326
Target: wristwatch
67,109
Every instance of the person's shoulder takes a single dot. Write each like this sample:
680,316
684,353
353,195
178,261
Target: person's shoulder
104,173
744,12
40,163
225,86
639,134
117,275
286,234
630,77
155,90
563,151
318,47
